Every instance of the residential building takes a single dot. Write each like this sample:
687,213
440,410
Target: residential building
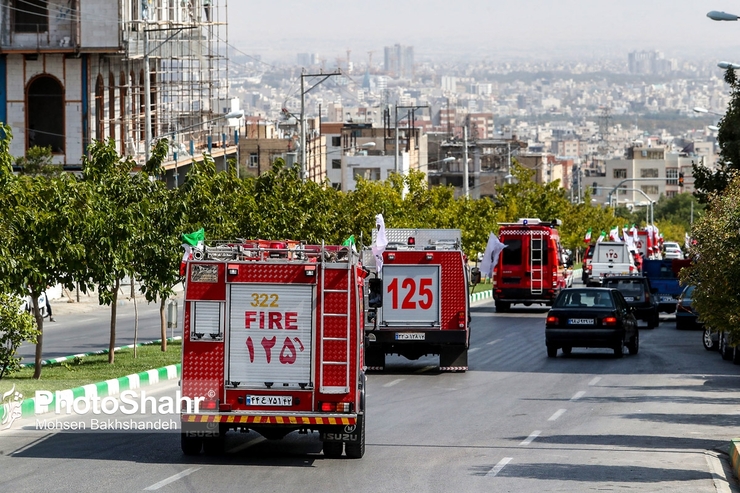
121,70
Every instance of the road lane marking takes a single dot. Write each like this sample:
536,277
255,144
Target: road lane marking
493,342
594,381
531,437
246,445
557,414
472,350
497,468
394,382
426,368
578,395
172,479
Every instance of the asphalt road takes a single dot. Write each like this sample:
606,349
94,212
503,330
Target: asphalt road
517,421
85,327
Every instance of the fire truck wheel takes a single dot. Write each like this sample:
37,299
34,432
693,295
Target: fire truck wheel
190,445
552,351
333,450
214,445
502,306
567,350
355,450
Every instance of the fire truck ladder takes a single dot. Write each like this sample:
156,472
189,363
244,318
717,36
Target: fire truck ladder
535,264
335,327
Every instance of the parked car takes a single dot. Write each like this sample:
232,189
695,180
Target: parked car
672,250
591,318
686,316
638,294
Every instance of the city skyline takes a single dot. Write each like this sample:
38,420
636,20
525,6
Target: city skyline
485,30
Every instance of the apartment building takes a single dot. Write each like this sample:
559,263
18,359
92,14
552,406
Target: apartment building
124,70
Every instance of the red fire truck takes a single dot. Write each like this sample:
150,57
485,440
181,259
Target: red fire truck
418,304
530,269
273,343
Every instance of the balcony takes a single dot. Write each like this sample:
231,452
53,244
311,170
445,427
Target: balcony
39,27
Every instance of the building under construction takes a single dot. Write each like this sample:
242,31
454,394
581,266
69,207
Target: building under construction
134,71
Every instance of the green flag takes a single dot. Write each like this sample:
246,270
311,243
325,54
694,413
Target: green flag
349,241
195,239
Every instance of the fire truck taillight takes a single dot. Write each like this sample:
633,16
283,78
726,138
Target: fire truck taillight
461,320
391,256
411,241
335,407
208,405
429,256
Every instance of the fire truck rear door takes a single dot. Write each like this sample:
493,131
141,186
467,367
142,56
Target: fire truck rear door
411,295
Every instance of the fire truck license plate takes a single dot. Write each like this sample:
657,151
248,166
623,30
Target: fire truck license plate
410,336
269,400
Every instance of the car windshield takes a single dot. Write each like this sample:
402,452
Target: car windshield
584,298
628,287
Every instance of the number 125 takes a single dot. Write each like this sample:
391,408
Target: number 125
409,288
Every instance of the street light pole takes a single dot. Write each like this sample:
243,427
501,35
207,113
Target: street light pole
147,98
466,190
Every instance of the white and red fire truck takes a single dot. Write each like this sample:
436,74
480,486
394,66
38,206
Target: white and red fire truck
418,304
273,343
531,268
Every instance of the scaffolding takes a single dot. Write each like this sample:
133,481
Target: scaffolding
185,43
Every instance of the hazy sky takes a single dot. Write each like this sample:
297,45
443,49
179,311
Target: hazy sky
494,29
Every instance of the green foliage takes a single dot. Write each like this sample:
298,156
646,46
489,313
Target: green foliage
716,270
707,181
16,327
38,161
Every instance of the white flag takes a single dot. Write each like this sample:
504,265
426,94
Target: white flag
380,242
635,239
490,257
686,241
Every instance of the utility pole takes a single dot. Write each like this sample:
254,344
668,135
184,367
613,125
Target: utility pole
304,91
466,190
412,108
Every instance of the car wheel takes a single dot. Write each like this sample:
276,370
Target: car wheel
619,350
651,323
736,355
634,345
552,351
724,350
567,350
709,344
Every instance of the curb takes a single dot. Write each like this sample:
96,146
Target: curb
62,359
735,456
481,295
100,389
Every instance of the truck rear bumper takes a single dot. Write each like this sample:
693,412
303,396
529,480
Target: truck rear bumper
285,419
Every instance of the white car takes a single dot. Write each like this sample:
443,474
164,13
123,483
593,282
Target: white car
673,252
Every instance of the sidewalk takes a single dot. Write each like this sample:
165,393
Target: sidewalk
64,302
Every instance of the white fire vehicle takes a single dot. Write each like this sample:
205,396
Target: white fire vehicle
272,342
419,303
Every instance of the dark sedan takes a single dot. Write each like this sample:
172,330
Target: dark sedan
591,318
638,294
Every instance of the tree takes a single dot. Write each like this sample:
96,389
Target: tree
114,228
16,327
716,269
38,161
706,180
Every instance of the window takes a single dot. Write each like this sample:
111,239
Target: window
649,173
671,175
620,173
650,189
45,113
512,254
31,16
253,160
366,173
336,164
206,321
336,141
336,186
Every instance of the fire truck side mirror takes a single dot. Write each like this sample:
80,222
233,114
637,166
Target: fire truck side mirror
475,275
375,292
